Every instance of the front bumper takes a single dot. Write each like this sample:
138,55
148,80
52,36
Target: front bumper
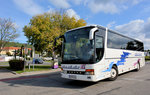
79,77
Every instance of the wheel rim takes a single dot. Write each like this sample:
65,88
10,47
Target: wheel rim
113,73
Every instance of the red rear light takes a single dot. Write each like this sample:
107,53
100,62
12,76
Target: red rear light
89,70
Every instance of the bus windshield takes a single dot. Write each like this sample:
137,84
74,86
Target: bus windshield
77,47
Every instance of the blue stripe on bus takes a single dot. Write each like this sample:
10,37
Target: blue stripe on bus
120,62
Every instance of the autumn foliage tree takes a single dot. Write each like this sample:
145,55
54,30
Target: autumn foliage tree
44,28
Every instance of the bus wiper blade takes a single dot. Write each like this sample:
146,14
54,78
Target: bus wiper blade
77,60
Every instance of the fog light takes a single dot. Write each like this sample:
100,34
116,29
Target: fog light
64,71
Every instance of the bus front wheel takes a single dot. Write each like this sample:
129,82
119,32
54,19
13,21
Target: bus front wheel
114,73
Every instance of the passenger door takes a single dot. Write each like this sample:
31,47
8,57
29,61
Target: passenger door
99,47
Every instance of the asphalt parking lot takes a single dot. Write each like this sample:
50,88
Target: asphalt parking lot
131,83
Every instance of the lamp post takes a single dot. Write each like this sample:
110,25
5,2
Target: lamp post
33,55
25,53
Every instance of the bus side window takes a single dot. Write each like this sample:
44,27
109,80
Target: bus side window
99,48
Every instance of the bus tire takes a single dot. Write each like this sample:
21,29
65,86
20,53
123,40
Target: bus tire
138,67
114,73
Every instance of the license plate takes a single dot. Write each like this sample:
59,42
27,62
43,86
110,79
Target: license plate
72,76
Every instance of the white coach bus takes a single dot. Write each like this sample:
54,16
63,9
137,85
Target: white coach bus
93,53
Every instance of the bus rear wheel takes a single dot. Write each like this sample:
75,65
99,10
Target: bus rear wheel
114,73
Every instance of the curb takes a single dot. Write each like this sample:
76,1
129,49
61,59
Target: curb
39,72
13,72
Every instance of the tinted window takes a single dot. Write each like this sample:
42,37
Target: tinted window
99,48
99,44
139,46
121,42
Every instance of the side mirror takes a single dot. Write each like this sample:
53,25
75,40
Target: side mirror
92,31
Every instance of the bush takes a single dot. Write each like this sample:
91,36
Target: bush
147,57
16,64
8,53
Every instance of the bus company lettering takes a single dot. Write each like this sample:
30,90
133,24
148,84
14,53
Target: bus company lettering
83,66
138,54
71,67
74,67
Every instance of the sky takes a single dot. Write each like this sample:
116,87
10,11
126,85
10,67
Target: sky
128,17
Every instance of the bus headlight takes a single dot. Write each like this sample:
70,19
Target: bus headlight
89,71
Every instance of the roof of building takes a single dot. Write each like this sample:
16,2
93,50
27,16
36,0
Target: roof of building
13,48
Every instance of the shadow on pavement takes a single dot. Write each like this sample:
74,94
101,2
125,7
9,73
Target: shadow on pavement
4,70
47,80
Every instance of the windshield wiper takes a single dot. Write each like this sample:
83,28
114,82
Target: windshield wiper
75,59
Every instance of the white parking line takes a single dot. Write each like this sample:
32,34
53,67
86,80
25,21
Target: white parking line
132,79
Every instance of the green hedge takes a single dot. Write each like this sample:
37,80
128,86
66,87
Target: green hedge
16,64
147,57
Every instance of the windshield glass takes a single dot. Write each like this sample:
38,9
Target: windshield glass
77,47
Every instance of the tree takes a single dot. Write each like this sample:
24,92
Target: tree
44,28
7,32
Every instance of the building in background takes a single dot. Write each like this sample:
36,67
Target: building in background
11,50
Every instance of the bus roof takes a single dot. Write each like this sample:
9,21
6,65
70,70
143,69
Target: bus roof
104,28
87,26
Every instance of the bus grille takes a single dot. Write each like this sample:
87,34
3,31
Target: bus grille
76,72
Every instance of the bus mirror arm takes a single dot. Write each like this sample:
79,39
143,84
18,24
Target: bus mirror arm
92,31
